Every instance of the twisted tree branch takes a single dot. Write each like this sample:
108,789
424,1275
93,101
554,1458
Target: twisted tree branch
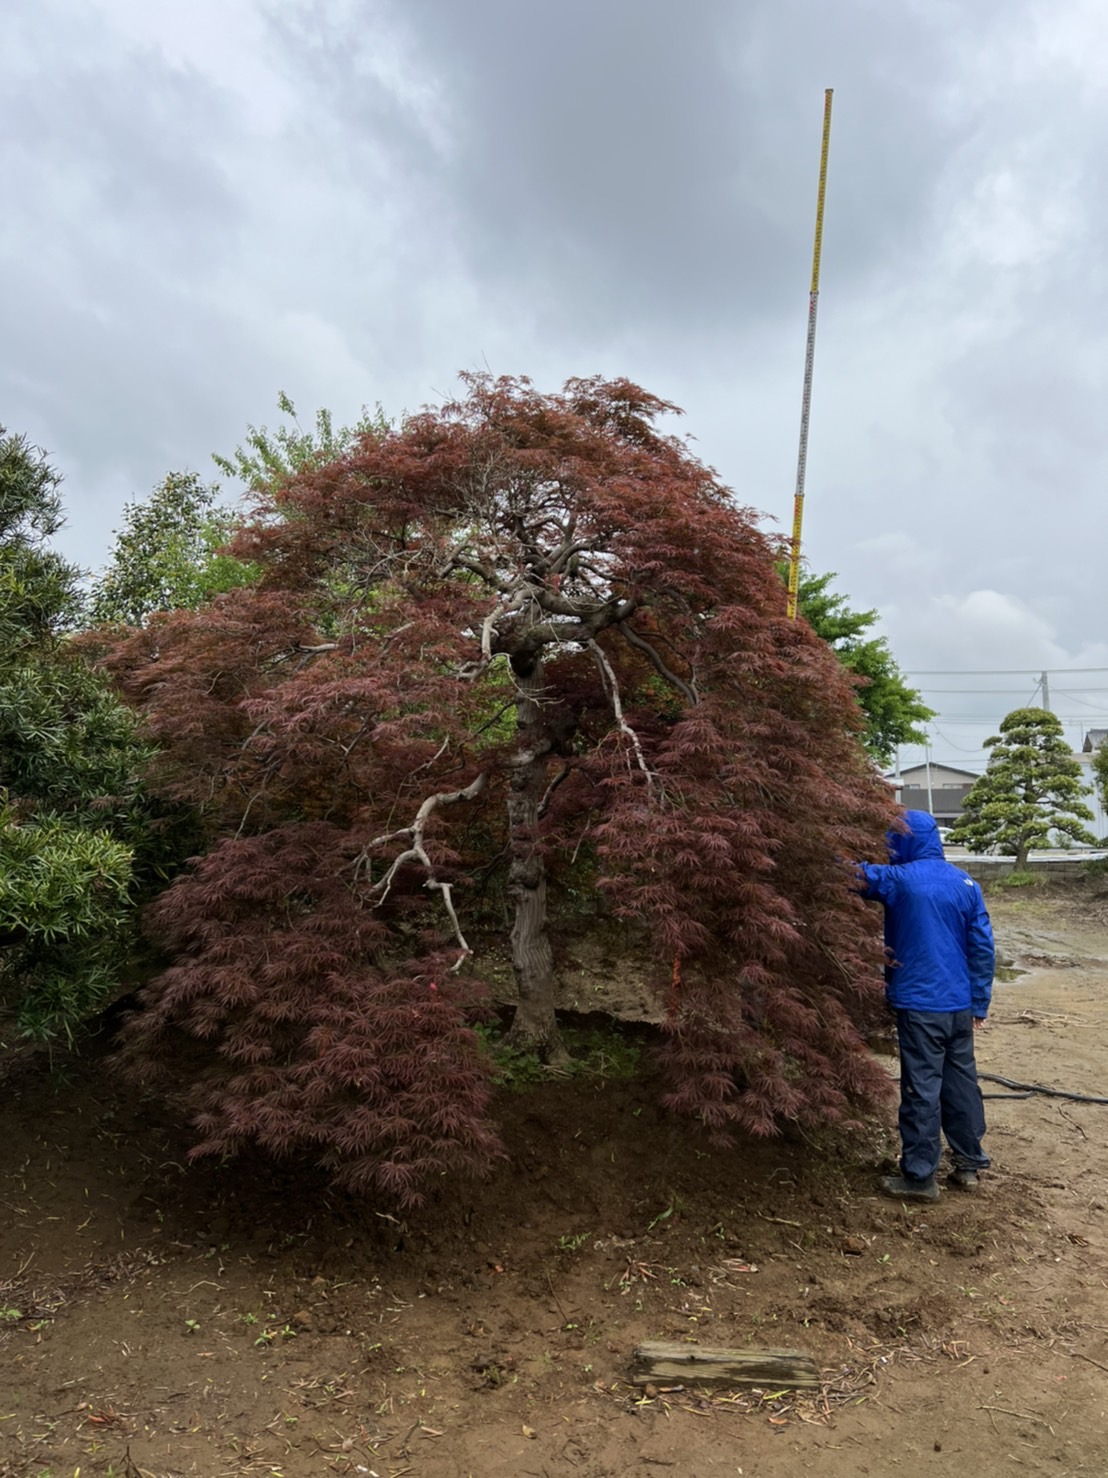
612,684
416,852
656,662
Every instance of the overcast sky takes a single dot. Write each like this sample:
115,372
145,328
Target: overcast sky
209,201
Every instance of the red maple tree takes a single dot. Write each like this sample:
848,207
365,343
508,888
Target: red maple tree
522,630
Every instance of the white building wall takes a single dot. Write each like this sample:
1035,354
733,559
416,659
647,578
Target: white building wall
1099,826
941,776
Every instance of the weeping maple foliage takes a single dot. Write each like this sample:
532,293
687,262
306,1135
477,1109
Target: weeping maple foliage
527,632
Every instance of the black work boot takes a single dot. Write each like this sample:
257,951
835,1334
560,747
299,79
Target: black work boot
903,1188
963,1178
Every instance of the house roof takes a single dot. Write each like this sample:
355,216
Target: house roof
970,775
1094,739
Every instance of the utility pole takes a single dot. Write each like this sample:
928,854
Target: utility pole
1044,684
809,361
930,798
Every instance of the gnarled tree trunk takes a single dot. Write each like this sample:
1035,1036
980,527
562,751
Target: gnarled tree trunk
534,1027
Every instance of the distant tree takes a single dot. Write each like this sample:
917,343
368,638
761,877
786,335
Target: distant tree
525,633
893,710
1033,786
269,457
71,815
39,590
1100,773
169,555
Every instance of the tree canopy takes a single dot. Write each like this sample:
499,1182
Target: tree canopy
1033,787
893,710
72,819
524,641
38,588
270,457
169,554
1100,773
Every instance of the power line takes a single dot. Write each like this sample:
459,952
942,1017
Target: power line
962,749
987,719
1001,692
994,671
1006,692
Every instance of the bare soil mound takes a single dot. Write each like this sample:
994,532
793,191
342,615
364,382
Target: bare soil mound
158,1319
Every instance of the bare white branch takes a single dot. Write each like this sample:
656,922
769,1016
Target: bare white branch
415,851
445,890
515,598
443,747
505,608
612,685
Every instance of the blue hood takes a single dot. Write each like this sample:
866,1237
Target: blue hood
938,938
919,841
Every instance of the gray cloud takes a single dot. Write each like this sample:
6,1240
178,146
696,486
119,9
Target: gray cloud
352,199
627,164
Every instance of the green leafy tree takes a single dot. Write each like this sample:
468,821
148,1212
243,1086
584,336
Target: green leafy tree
893,711
38,589
1100,772
269,457
71,815
169,555
1033,786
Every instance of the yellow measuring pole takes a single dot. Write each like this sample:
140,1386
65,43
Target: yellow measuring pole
809,361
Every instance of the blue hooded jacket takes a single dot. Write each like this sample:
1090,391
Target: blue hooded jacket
937,930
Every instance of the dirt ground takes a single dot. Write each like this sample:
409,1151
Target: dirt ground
239,1320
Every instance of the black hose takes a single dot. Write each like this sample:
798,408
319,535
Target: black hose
1030,1088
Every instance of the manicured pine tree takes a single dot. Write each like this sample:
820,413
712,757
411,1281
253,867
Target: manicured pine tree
1033,788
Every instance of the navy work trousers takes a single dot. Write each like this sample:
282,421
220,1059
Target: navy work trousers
938,1092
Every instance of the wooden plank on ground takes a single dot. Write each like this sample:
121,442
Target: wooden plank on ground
659,1363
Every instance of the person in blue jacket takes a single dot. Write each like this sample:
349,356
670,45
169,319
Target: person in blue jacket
939,946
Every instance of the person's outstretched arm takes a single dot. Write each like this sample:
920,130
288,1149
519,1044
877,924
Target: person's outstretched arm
876,881
980,956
